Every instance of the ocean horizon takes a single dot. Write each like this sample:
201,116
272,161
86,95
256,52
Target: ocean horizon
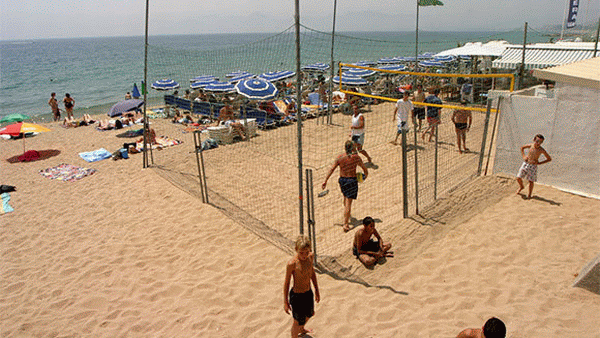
98,71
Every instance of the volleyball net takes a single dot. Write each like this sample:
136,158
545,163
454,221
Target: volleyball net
256,182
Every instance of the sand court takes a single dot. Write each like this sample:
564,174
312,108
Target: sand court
126,253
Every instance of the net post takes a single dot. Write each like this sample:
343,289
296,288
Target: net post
435,165
416,172
487,163
310,212
484,138
198,151
404,175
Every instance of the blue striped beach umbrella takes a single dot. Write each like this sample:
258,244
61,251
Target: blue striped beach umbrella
393,60
165,84
256,89
431,64
365,63
277,76
350,80
203,77
397,67
446,58
220,87
237,73
316,67
241,77
202,83
359,72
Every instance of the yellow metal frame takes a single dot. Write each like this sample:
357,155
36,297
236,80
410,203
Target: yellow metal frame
511,76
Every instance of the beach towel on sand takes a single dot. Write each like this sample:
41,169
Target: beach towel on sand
66,172
4,207
96,155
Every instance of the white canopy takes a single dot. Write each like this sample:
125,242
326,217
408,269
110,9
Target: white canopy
492,48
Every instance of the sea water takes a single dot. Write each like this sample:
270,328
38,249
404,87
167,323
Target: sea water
97,72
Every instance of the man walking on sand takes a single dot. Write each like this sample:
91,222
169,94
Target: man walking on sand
462,120
433,114
348,182
403,108
357,132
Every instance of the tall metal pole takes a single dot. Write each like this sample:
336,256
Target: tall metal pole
522,69
597,34
416,42
416,172
145,89
404,175
329,118
562,30
299,117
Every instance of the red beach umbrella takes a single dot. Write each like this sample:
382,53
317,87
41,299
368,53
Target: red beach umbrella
22,128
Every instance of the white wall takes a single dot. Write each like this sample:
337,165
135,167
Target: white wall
570,123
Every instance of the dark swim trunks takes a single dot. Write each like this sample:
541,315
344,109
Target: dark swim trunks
461,126
349,187
420,113
371,245
303,306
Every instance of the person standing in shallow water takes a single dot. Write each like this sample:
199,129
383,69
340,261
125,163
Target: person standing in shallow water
69,104
53,103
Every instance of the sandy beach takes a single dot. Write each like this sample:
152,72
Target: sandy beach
126,253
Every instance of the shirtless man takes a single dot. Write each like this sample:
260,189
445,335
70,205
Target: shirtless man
53,103
419,111
367,250
493,328
528,169
462,120
228,119
347,181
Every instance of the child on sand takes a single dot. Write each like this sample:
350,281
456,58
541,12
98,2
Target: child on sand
365,248
300,299
493,328
528,169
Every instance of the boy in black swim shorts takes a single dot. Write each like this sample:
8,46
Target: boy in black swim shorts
300,299
462,120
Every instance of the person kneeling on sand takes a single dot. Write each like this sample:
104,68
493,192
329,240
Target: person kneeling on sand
365,248
493,328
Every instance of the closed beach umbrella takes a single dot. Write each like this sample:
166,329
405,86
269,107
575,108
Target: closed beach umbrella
202,83
350,80
14,118
316,67
135,92
256,89
165,84
125,106
220,87
22,128
277,76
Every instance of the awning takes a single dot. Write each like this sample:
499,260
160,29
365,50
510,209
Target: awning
540,57
493,48
583,73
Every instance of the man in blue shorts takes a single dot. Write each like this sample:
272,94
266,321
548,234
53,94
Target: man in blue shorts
348,182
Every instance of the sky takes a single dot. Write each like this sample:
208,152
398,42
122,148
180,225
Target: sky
39,19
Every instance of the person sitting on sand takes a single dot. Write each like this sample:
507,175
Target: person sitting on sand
365,248
493,328
227,118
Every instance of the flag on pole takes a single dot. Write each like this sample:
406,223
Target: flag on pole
573,7
435,3
144,88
